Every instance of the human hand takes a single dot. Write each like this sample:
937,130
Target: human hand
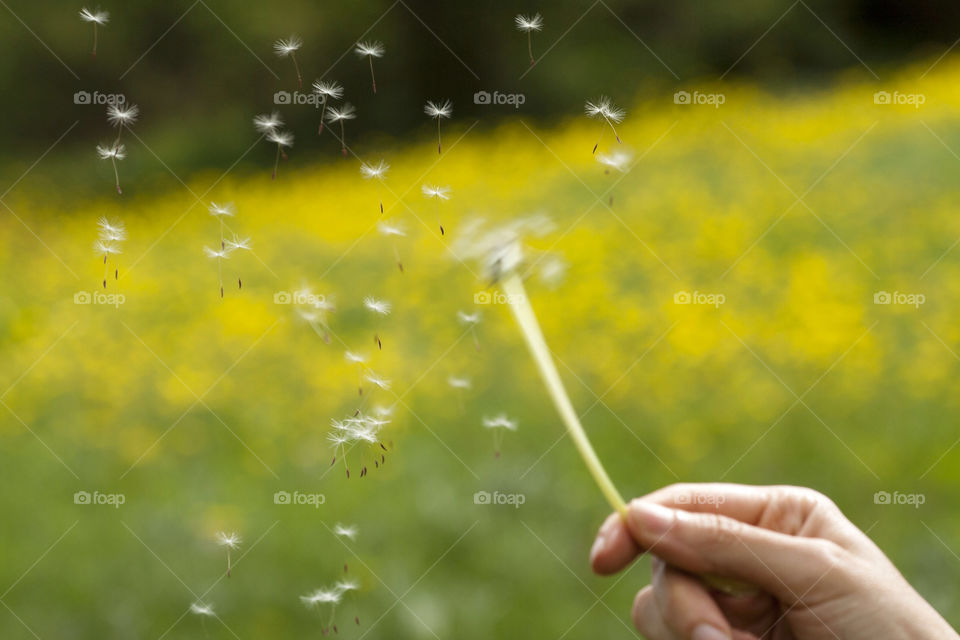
818,576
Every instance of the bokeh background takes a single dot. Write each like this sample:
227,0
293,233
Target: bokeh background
799,200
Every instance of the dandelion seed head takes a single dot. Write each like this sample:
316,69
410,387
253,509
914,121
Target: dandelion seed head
381,307
345,112
391,229
286,46
328,89
500,421
267,122
377,171
499,250
200,609
604,108
345,531
435,191
529,23
97,16
370,48
438,110
111,230
116,151
231,540
458,382
122,115
281,138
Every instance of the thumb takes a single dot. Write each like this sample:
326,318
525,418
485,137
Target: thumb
783,565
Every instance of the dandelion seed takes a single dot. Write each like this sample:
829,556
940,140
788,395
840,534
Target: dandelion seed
200,609
288,47
314,310
529,24
230,541
281,139
345,112
604,109
113,153
377,381
375,172
370,50
358,430
499,425
344,531
97,18
111,233
470,320
618,161
460,385
381,307
121,116
393,231
359,360
267,122
327,91
439,111
437,194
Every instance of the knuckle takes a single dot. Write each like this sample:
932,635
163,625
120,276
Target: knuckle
720,531
641,612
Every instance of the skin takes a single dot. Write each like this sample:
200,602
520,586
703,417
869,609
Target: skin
817,576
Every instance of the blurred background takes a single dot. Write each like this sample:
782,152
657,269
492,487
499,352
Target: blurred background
819,218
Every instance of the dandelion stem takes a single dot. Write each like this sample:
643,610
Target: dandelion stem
323,110
373,78
116,174
527,319
530,45
439,145
296,68
94,52
343,138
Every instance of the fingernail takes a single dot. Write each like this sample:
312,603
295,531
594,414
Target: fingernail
651,518
705,631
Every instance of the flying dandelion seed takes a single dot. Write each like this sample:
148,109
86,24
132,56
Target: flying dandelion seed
203,611
281,139
113,153
470,320
617,161
121,116
529,24
220,211
109,237
324,598
315,311
379,308
327,91
346,587
97,18
345,112
437,194
439,112
460,384
499,425
230,541
267,122
359,360
370,50
393,231
608,112
360,430
285,47
377,381
349,532
375,172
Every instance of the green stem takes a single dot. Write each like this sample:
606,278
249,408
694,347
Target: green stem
527,319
